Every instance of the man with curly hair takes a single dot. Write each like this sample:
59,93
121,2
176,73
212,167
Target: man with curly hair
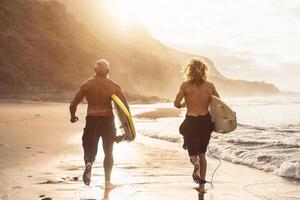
195,94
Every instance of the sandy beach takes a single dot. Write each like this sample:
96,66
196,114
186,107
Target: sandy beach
155,52
41,158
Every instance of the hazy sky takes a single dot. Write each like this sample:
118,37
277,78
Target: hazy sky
247,39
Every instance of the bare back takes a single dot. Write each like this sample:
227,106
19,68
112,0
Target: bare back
98,91
197,97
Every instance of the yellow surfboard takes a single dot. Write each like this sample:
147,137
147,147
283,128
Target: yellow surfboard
125,119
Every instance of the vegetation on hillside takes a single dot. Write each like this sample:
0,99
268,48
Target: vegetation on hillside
45,46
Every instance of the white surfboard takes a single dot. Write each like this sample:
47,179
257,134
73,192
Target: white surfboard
222,115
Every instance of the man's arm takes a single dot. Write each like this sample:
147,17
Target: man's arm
121,95
73,106
179,97
214,91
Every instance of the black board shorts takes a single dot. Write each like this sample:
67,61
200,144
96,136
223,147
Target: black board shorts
96,127
196,133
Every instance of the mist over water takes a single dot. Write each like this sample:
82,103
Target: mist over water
267,137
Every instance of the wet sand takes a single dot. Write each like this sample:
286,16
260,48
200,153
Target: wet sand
159,113
41,158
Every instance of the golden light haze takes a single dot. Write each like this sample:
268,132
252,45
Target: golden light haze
250,40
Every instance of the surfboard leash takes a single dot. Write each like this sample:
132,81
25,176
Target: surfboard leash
215,170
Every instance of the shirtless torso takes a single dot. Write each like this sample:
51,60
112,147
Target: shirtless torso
99,120
197,97
98,91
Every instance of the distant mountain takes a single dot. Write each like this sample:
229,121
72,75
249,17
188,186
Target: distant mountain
47,46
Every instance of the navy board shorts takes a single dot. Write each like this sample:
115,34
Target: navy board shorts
196,131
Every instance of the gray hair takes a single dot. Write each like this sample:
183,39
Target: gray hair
101,66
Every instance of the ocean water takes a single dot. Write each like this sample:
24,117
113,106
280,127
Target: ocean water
267,137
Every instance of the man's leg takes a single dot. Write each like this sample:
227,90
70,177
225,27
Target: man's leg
203,165
89,143
94,147
195,161
108,161
88,137
192,147
108,138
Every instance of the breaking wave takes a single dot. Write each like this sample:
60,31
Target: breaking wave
280,165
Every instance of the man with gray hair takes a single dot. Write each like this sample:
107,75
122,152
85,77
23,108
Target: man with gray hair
99,120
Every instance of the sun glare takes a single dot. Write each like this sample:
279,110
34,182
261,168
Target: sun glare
123,11
199,23
129,10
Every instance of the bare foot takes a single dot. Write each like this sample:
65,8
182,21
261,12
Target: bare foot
87,174
109,186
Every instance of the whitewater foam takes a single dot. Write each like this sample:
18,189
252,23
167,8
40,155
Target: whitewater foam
267,137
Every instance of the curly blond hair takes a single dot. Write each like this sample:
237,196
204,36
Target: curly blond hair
195,71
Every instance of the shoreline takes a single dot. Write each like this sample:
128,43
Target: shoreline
134,99
145,169
66,97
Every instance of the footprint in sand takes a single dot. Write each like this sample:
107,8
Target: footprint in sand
43,197
5,197
50,182
75,178
37,116
46,198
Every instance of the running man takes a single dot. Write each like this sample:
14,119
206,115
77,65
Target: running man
99,120
197,126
